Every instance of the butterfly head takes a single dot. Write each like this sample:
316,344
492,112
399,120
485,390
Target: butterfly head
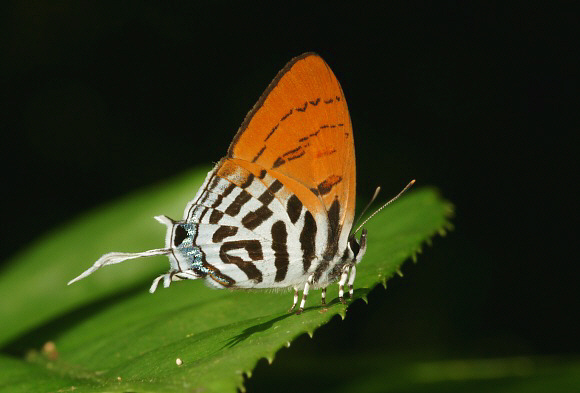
184,256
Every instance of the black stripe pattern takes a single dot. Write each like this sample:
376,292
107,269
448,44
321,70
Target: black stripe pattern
222,232
207,268
254,218
215,216
281,257
332,243
254,250
294,208
234,208
307,241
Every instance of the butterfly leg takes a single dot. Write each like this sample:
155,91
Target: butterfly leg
295,300
341,283
305,294
173,275
351,277
350,270
323,296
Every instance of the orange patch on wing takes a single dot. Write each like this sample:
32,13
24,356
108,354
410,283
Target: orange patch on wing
300,129
326,186
326,152
226,169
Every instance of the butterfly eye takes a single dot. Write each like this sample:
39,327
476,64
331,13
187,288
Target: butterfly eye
179,236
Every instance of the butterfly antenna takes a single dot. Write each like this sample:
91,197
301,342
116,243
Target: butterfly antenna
385,205
367,207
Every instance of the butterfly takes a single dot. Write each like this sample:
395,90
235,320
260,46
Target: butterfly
277,211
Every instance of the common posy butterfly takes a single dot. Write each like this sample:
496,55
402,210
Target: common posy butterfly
278,210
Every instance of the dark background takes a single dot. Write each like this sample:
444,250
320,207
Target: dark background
478,100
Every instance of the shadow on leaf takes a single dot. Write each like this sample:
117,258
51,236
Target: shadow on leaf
254,329
59,325
358,293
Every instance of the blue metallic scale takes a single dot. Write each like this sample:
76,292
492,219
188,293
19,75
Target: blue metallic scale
194,257
190,251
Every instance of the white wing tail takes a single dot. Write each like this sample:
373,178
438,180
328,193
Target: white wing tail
118,257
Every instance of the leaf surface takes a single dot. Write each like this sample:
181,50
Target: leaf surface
112,335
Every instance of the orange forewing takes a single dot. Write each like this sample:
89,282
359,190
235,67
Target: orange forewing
300,128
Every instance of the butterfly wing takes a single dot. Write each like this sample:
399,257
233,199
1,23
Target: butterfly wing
300,128
247,223
285,193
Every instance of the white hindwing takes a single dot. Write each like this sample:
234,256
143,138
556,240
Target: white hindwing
250,230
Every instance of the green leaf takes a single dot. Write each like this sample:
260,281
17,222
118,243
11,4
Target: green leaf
111,334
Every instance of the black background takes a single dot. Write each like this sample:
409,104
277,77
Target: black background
476,99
